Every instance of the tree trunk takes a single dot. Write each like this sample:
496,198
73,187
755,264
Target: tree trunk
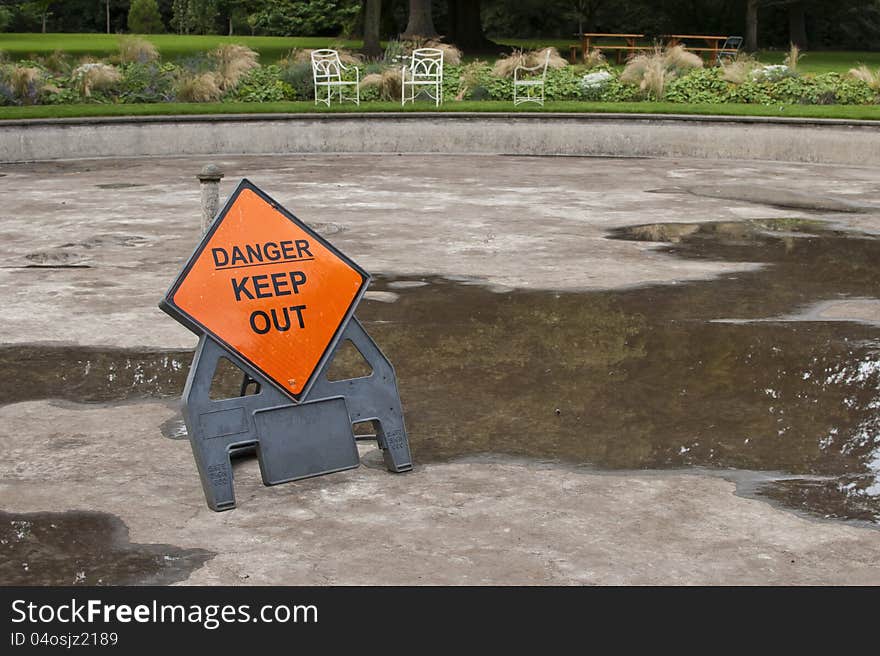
751,25
372,21
466,26
107,5
44,17
797,25
230,24
420,23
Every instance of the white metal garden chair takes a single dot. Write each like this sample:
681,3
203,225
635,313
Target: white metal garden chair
526,83
327,70
424,73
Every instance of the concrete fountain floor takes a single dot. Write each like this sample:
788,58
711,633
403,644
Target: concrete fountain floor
89,247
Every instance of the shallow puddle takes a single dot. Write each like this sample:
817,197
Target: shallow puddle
86,548
697,374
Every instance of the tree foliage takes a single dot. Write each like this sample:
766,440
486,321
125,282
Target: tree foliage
305,17
144,17
844,24
195,16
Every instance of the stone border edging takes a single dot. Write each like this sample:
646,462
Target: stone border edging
830,141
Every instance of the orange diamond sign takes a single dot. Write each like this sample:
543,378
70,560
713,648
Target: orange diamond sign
269,288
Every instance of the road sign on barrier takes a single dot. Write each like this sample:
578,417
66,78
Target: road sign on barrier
267,293
270,288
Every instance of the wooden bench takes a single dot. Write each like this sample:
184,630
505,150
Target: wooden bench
629,43
713,46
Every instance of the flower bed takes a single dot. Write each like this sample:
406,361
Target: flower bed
232,74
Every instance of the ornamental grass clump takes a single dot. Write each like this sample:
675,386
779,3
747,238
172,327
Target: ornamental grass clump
203,87
594,58
451,54
136,50
370,86
233,62
25,82
792,58
866,75
59,62
680,60
304,56
470,78
381,86
506,66
739,69
95,76
390,89
652,71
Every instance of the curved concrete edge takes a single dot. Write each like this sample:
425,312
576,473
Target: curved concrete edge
826,141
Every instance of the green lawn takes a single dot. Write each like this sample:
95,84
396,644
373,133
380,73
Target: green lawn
171,46
271,48
870,112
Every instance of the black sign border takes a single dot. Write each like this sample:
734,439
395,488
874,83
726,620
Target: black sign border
168,305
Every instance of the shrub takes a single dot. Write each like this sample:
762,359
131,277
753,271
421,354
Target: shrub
702,86
144,17
854,91
7,96
451,81
499,88
146,83
135,49
299,76
617,91
263,84
823,89
563,84
753,91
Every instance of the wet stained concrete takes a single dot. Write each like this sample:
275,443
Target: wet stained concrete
707,374
575,402
85,548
